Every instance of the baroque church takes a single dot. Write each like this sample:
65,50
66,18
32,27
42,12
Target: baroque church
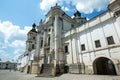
62,44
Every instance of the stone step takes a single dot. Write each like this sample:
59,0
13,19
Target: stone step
46,70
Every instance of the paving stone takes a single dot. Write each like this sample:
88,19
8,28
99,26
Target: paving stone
15,75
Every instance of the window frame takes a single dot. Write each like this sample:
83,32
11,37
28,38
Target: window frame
83,47
33,46
66,48
110,40
97,43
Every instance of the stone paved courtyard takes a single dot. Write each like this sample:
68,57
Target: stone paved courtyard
15,75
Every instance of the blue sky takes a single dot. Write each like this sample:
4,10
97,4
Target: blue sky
17,16
20,12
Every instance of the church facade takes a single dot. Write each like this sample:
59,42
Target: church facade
62,44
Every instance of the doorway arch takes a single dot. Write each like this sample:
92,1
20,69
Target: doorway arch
104,66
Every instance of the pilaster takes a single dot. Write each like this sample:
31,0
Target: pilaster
56,39
59,56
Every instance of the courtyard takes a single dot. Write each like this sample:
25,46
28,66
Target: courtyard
15,75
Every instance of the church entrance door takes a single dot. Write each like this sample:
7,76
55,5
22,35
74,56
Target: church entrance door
104,66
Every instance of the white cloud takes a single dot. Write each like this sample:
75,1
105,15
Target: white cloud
1,39
4,56
72,16
65,9
88,6
18,44
12,39
46,4
85,6
12,32
17,53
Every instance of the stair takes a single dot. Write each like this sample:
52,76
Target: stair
46,70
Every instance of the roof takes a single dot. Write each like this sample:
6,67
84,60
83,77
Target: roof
7,62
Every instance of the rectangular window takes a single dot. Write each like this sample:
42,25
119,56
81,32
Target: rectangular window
41,43
83,47
97,43
66,49
33,46
72,26
110,40
49,41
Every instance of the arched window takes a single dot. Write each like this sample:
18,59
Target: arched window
66,48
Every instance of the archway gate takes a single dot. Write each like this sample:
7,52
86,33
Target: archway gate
104,66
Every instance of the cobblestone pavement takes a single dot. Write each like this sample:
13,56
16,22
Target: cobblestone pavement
15,75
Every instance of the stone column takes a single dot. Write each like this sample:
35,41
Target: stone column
38,45
45,37
56,38
58,45
52,39
44,44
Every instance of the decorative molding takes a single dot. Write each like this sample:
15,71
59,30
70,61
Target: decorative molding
117,13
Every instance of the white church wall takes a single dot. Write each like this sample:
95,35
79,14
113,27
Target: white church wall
66,34
74,50
102,53
80,58
81,28
88,37
104,16
83,40
87,59
69,58
115,53
78,45
109,30
70,54
89,40
97,34
94,22
92,55
23,61
117,26
66,25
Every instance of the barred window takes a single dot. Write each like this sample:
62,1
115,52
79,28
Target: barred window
83,47
110,40
97,43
